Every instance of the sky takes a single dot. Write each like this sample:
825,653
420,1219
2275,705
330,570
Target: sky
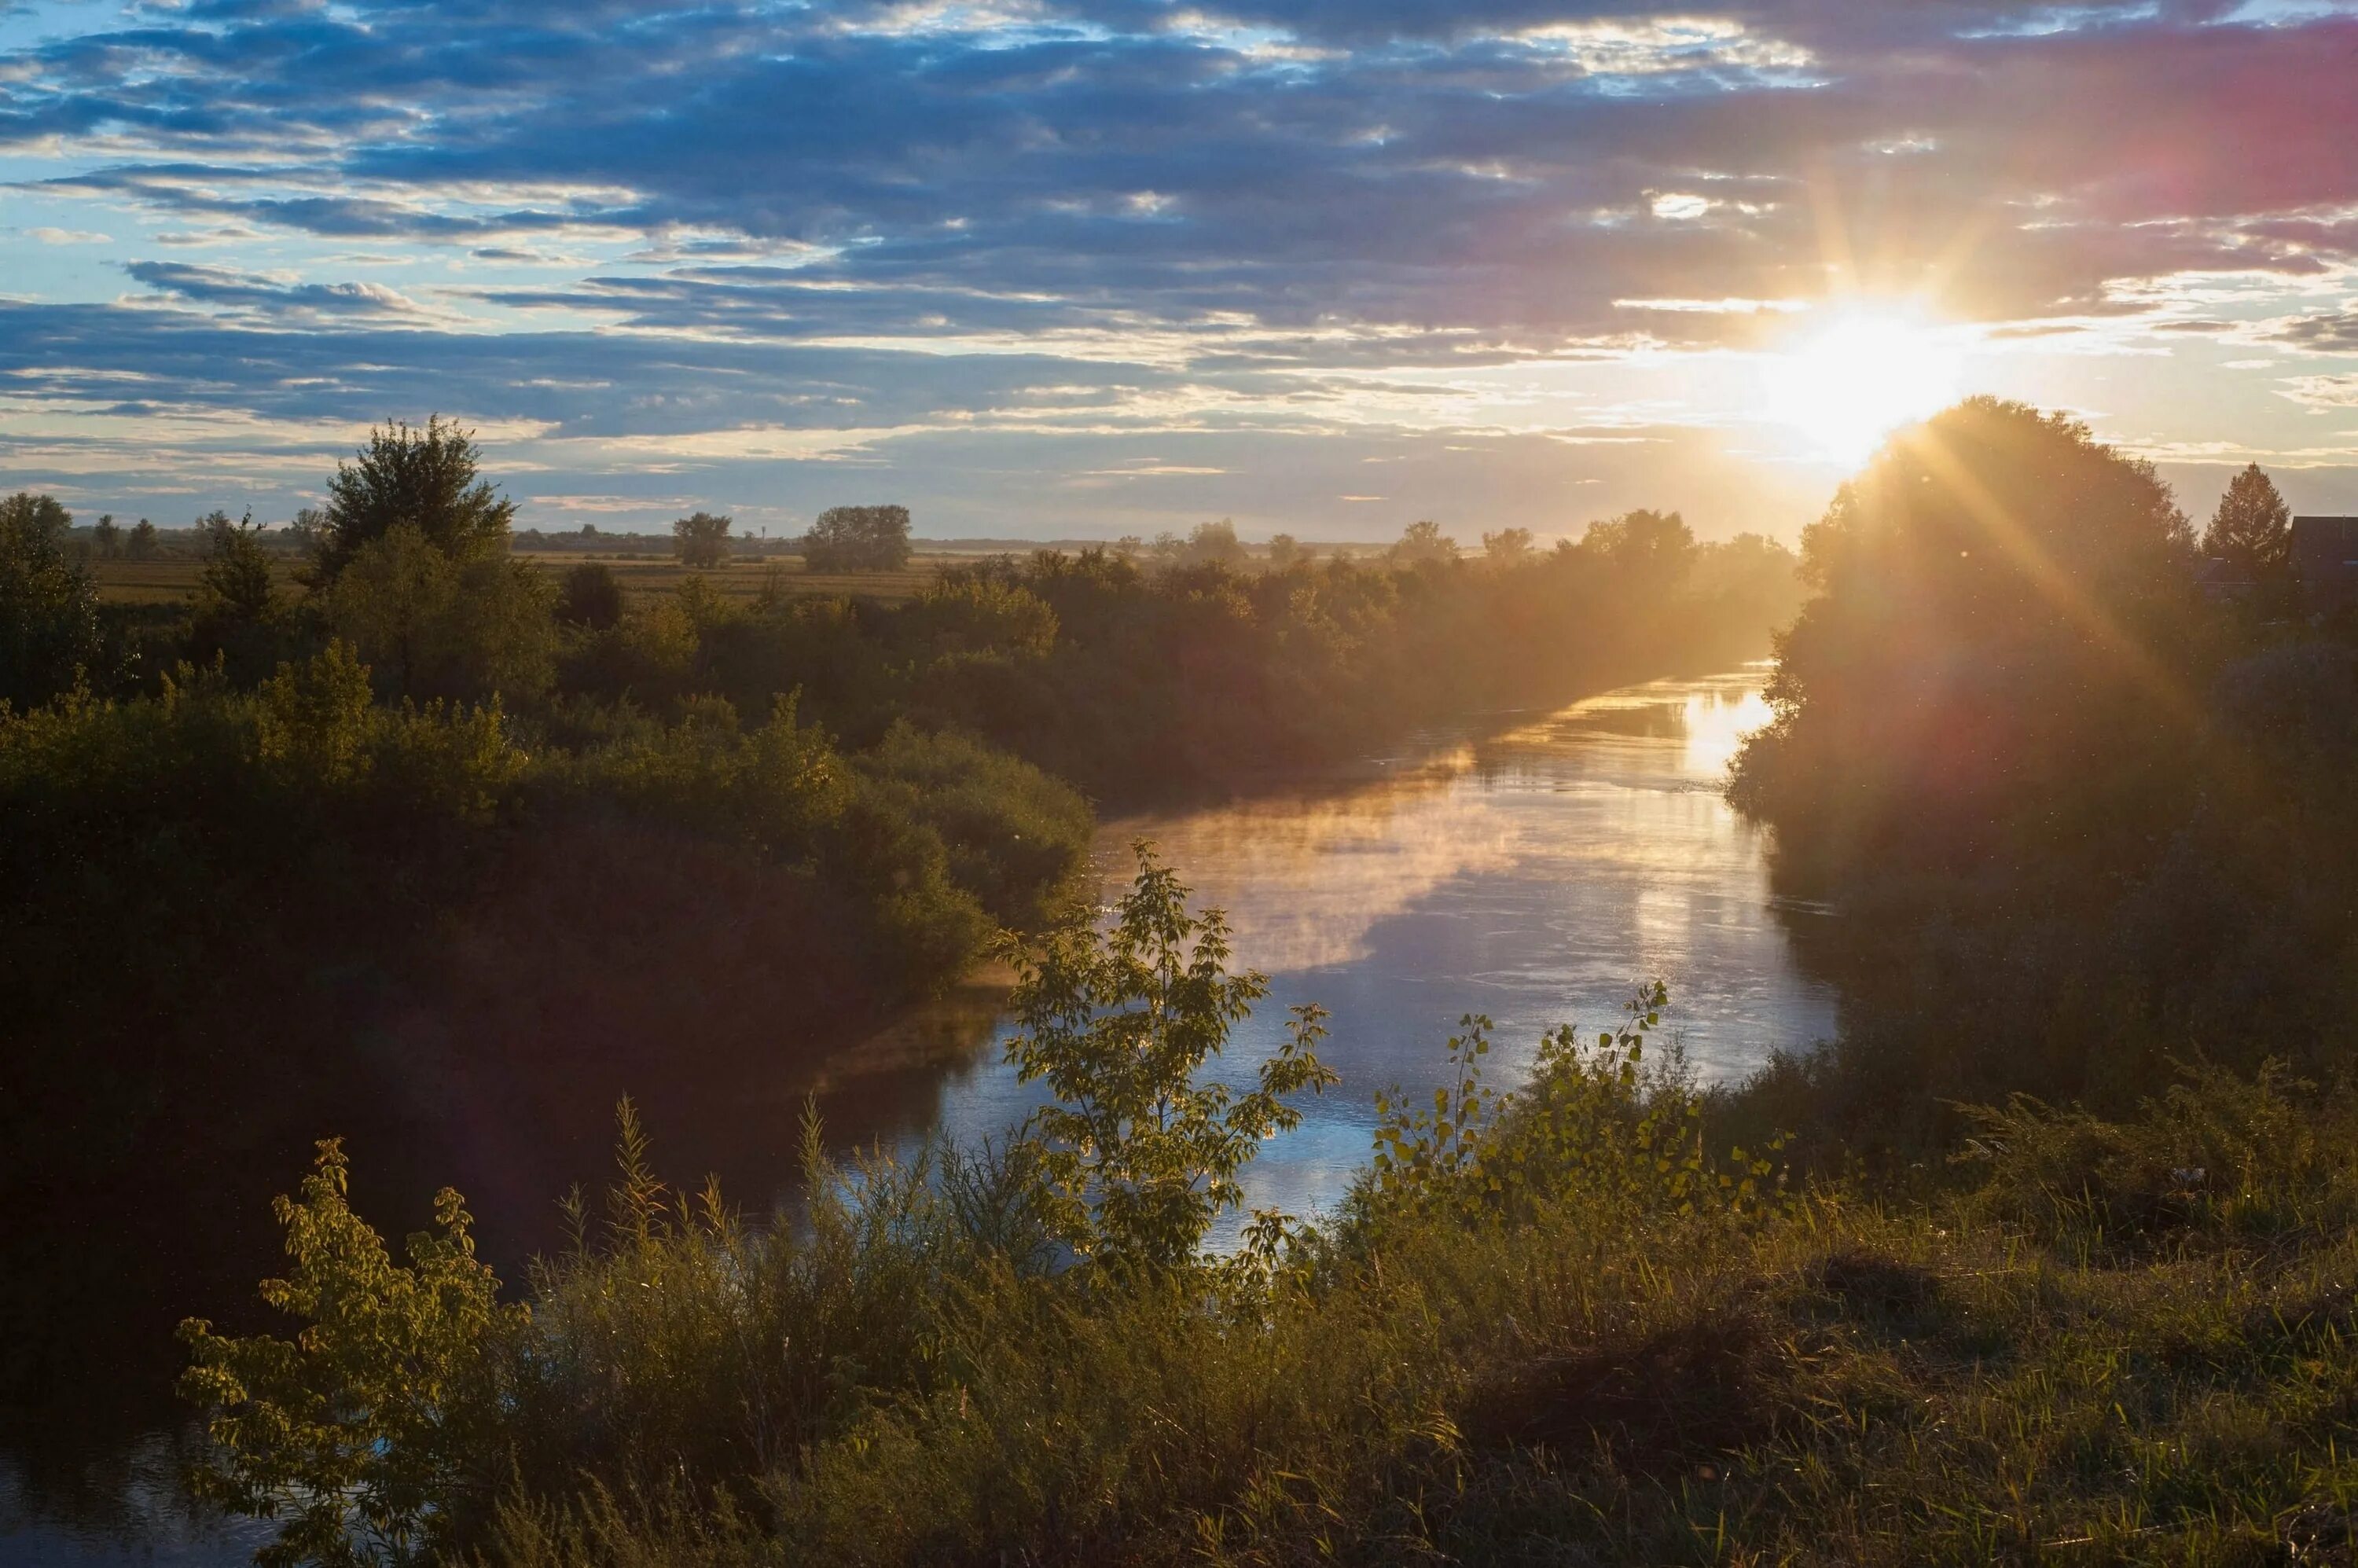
1085,268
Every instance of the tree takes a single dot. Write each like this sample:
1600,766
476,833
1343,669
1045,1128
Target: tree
701,540
431,624
424,480
592,597
1424,544
1285,552
1215,543
858,539
142,544
1508,548
108,537
1651,550
48,604
1138,1158
2252,526
236,581
1983,668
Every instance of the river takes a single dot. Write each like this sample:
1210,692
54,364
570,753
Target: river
1537,877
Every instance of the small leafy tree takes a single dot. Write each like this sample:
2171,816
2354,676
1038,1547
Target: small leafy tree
48,604
2252,526
236,581
858,539
407,478
1285,552
366,1432
434,625
106,536
1507,547
143,544
701,540
1136,1158
590,596
1424,544
1215,543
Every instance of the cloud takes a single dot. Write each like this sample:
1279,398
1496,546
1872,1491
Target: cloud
273,297
1309,215
2330,334
67,236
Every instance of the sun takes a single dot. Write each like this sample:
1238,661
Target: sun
1849,383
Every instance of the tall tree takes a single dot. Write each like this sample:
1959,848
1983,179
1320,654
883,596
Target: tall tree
48,605
2252,526
425,479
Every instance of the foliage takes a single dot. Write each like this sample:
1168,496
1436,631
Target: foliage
701,541
1136,1158
437,624
2252,526
1597,1122
141,544
2071,1342
426,480
106,537
355,1432
590,596
1424,544
858,539
1508,548
48,604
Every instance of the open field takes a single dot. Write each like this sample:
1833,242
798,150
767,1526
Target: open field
169,578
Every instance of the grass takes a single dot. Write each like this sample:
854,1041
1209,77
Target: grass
170,580
1552,1335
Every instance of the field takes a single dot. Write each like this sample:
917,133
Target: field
166,580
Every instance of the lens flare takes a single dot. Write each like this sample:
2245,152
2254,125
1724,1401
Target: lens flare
1850,382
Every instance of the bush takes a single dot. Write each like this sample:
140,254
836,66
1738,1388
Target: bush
434,624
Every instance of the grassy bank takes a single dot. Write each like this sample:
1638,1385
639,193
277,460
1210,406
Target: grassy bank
1564,1325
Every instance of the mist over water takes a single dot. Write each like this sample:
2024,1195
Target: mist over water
1536,877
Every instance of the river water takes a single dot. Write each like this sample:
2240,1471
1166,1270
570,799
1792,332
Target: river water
1537,877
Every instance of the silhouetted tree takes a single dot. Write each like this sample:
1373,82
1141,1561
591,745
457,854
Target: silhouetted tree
108,537
48,605
1652,550
1423,542
1214,543
142,544
2252,526
701,540
1285,552
858,539
1508,548
424,480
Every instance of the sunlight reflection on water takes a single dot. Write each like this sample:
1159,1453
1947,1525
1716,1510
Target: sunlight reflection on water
1536,877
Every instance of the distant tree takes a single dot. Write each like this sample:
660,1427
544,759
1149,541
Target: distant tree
1285,552
1653,549
701,540
858,539
1423,543
108,537
591,596
308,531
48,604
1215,543
1508,548
1129,547
2252,526
1166,549
142,545
426,479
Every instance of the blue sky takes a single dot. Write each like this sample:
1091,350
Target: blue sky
1093,267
